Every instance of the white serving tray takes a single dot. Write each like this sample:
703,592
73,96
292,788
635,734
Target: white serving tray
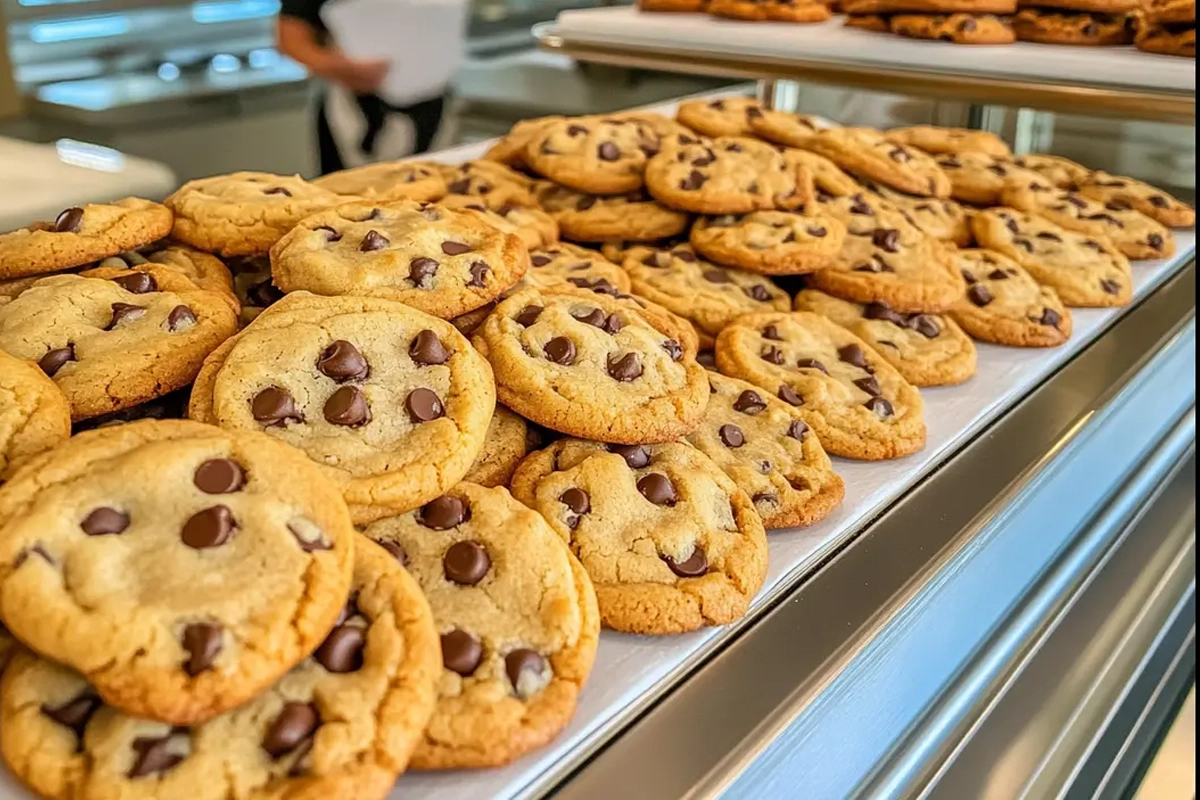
630,670
832,43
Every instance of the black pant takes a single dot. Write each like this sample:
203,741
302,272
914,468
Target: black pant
426,118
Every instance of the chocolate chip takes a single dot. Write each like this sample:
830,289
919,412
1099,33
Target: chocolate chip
75,714
179,317
997,275
444,513
1117,205
263,294
731,436
772,332
1155,240
202,641
626,368
462,652
560,350
967,25
817,231
275,406
811,363
706,359
1075,200
613,325
421,270
797,430
397,550
579,502
716,276
594,317
685,255
758,292
704,160
279,190
979,294
675,350
525,669
1110,286
347,406
479,272
886,239
869,385
69,221
853,355
899,155
137,283
342,650
789,395
331,235
1011,224
54,360
1024,243
1158,201
124,312
750,402
374,240
693,181
466,563
636,456
1090,29
212,527
104,521
294,725
1050,317
772,355
153,755
882,311
576,130
342,361
427,349
584,204
658,489
424,405
693,566
608,151
1093,244
880,406
528,315
455,248
968,277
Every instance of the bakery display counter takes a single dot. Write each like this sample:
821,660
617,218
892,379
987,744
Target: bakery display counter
1109,81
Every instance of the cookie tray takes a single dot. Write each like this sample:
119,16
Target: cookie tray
1121,81
632,671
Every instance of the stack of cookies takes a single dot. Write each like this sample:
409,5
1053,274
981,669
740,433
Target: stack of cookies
1168,27
956,21
1077,22
375,543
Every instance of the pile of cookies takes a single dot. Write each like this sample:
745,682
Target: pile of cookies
307,483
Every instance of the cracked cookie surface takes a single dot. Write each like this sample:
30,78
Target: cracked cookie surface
668,539
393,404
34,415
202,564
1005,305
517,618
340,725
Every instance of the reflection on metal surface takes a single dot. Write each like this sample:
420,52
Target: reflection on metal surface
70,30
91,156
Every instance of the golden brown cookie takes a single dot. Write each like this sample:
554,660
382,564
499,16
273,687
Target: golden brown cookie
1131,193
934,139
588,218
867,153
954,28
771,10
725,116
388,181
1005,305
727,176
507,442
1053,26
34,415
771,242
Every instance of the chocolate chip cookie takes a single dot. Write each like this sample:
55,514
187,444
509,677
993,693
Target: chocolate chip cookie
829,180
202,269
785,128
869,154
517,618
252,285
768,450
493,184
954,28
341,723
725,116
1134,234
727,176
942,219
388,181
507,442
1084,270
82,235
1053,26
1168,40
856,402
771,242
916,277
510,148
979,178
937,140
34,415
1130,193
571,265
1005,305
111,344
589,365
669,540
633,217
1062,172
1170,12
771,10
393,404
926,349
440,261
202,564
595,156
707,295
245,213
532,226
